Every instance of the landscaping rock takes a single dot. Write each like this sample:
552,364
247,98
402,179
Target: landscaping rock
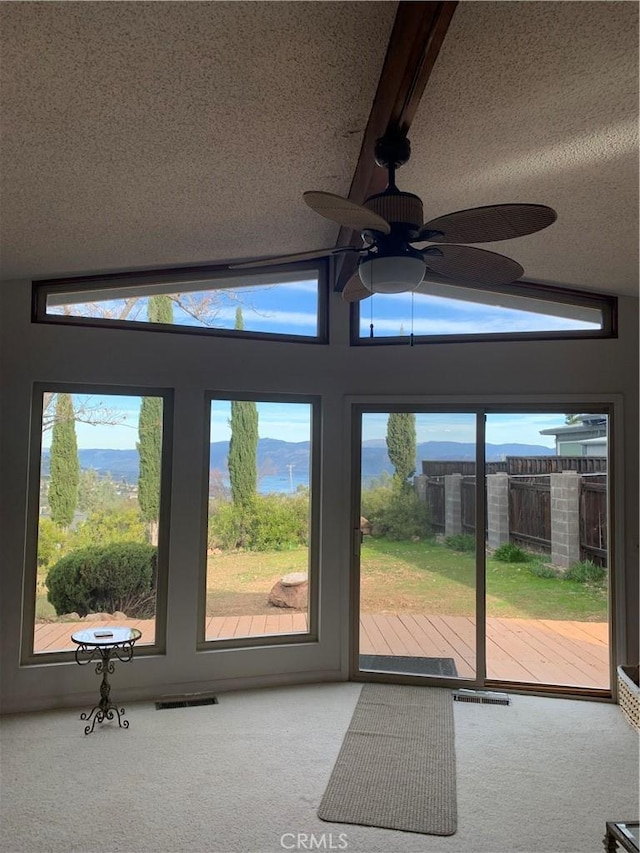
294,579
98,617
291,591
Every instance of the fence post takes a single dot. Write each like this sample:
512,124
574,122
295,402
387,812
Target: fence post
565,518
452,504
420,485
497,509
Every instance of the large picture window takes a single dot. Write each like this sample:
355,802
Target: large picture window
436,312
284,302
260,564
99,534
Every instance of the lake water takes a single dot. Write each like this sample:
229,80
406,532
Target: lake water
282,484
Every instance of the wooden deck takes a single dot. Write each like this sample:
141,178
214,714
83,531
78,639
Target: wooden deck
541,651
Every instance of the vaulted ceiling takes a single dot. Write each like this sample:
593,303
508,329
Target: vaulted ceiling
139,135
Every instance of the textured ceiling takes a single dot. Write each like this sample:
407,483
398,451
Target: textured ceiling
146,134
149,134
538,102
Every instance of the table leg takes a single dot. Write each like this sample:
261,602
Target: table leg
105,709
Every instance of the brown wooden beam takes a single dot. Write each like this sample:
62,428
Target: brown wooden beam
416,38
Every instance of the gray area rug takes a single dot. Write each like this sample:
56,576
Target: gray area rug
397,766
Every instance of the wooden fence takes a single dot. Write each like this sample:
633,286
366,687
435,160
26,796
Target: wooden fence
593,519
518,465
530,513
435,500
468,498
530,510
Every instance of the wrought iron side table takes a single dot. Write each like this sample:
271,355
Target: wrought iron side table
102,644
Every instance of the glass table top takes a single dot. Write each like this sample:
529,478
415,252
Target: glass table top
106,636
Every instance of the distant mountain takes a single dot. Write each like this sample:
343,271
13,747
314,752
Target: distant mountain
275,457
121,464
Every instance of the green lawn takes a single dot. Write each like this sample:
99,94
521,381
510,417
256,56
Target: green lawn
429,578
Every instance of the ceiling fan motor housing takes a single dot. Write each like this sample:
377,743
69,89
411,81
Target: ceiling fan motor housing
398,208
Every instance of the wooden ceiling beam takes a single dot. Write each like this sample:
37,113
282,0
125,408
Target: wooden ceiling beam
416,38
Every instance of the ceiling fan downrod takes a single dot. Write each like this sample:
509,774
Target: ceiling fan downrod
403,210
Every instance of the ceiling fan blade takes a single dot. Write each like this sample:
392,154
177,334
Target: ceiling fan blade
297,256
486,224
354,289
345,212
465,263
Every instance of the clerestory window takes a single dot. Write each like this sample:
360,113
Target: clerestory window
287,303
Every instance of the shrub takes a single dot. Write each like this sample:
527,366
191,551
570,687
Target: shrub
279,522
461,542
269,522
540,570
586,572
228,525
396,512
510,553
375,499
120,576
106,527
52,542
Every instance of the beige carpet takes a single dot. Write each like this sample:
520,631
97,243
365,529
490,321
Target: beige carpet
247,775
397,766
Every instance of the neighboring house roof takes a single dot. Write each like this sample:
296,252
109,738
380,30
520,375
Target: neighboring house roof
588,423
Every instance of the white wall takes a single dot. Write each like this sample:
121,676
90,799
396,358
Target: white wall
574,370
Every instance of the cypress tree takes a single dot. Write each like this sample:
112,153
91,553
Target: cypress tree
401,445
243,446
159,310
64,472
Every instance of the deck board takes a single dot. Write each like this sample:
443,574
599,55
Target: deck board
540,651
534,656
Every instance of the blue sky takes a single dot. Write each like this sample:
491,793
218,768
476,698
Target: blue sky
284,421
423,314
500,428
290,308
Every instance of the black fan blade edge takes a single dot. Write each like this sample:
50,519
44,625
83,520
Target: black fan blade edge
273,260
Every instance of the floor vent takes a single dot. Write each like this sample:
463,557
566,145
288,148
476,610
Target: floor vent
481,697
186,702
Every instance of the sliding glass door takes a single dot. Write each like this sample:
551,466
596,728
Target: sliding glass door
417,557
547,559
483,547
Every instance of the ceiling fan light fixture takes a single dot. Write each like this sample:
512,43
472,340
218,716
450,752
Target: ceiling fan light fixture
392,273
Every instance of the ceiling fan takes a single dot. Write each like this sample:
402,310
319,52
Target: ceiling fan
392,231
